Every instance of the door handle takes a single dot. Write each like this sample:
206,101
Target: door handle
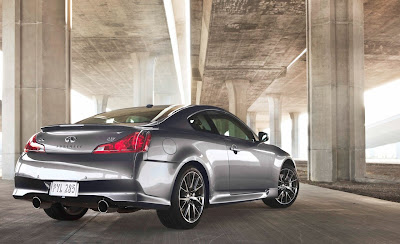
234,148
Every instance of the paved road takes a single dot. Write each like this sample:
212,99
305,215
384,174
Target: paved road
319,216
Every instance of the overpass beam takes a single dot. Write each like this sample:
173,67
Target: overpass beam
335,63
275,118
294,116
36,87
237,96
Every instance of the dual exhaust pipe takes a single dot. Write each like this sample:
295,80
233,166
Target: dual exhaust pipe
37,203
102,205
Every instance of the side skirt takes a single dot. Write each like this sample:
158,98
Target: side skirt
229,198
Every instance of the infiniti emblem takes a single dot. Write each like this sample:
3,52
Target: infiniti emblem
70,139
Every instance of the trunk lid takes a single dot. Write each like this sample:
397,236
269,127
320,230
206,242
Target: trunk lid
80,138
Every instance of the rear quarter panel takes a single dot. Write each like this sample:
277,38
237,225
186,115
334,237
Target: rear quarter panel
170,150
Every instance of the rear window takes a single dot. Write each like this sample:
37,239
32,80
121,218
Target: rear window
132,115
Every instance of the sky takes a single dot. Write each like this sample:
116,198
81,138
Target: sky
382,102
81,106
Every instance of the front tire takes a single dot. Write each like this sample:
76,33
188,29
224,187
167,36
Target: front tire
288,188
187,201
60,212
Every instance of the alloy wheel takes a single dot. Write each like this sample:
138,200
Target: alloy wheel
288,185
191,196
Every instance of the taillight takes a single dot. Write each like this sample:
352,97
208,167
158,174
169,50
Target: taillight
136,142
34,146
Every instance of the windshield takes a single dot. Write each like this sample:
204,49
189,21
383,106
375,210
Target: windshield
132,115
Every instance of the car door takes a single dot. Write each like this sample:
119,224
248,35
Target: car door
213,147
247,164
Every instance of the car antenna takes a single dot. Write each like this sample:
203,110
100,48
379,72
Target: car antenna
149,105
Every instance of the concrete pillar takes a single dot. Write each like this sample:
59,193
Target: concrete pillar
1,113
252,121
294,116
335,69
237,96
36,77
143,78
275,118
163,98
198,92
101,103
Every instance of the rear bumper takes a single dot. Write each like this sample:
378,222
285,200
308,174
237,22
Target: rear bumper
118,193
123,180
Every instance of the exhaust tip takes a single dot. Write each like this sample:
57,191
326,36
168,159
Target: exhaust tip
36,202
102,206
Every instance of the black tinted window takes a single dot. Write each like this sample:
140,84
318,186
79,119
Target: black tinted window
230,126
199,122
131,115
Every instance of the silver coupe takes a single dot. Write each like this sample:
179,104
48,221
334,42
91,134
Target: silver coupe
175,159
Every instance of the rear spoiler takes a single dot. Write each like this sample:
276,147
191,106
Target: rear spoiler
85,127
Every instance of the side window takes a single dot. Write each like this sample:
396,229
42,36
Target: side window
199,122
229,126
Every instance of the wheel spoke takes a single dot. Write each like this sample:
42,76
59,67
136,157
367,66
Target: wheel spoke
280,194
198,188
187,213
184,180
195,208
287,175
283,195
290,198
183,206
199,200
290,178
191,184
194,212
196,182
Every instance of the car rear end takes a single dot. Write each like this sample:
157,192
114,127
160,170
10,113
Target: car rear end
86,164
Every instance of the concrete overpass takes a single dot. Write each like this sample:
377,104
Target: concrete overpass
383,132
246,56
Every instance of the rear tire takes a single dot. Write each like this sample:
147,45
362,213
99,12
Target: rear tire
187,201
288,188
60,212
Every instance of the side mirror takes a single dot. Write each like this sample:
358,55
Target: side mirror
262,136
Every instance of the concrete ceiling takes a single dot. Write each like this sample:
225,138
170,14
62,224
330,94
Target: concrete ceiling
250,40
104,35
382,41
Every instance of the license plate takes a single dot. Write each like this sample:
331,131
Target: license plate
64,189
